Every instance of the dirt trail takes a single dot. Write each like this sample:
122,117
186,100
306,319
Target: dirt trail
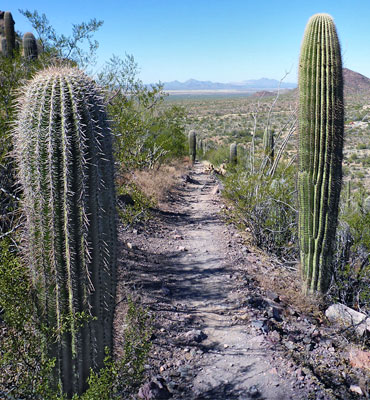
238,364
211,340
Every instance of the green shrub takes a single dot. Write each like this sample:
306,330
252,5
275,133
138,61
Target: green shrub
120,379
266,206
133,204
24,372
218,156
351,265
146,133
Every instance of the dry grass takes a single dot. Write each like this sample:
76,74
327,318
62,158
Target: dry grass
157,183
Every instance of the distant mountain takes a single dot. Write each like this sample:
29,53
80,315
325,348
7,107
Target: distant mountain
249,85
355,82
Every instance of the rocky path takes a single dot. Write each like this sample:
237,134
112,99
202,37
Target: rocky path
214,332
237,364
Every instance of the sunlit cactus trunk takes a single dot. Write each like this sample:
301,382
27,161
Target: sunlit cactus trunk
192,146
233,154
64,152
320,149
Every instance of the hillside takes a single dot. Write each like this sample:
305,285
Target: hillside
355,82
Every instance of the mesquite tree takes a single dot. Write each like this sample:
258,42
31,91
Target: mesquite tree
63,146
320,149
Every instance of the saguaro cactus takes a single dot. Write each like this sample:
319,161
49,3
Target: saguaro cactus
64,150
29,46
233,154
192,145
320,149
268,145
9,32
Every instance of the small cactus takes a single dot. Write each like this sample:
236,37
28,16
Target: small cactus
201,147
348,194
29,46
9,32
233,154
268,145
64,149
320,149
192,146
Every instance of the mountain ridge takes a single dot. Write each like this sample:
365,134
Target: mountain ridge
354,82
250,84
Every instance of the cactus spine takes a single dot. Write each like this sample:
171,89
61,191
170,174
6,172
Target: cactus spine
320,149
64,150
192,146
29,46
9,32
233,154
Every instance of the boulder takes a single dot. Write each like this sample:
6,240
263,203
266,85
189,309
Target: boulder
348,318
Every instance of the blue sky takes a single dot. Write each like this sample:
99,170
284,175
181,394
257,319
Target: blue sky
217,40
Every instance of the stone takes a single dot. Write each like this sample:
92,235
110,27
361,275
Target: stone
359,358
253,392
356,389
155,389
216,190
195,335
348,318
182,248
165,291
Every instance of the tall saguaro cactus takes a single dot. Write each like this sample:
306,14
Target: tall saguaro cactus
320,149
192,145
64,151
9,32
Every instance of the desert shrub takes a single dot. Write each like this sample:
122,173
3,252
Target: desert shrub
133,204
351,263
146,133
265,205
24,372
121,378
218,155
